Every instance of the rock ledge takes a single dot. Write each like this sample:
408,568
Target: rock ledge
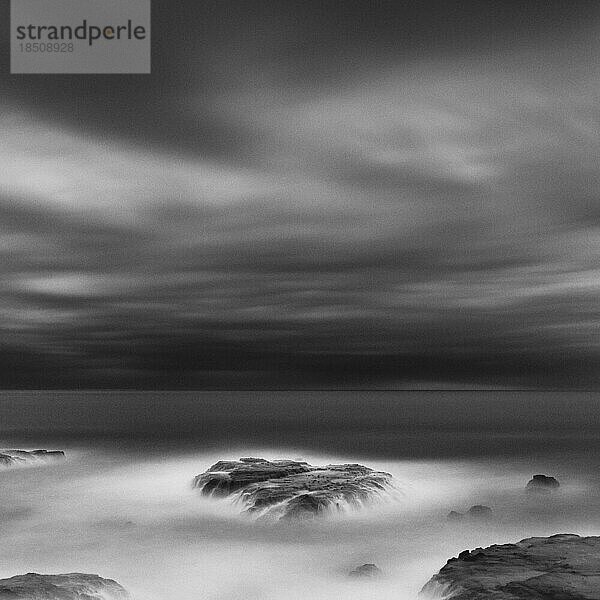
15,458
562,567
71,586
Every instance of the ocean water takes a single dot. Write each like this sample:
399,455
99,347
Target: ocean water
122,504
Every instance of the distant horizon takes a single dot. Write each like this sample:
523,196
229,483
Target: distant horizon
230,414
416,425
505,389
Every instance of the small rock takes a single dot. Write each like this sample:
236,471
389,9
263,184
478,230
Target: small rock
480,512
475,512
542,482
366,570
454,516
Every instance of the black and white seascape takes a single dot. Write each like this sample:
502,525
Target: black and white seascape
309,312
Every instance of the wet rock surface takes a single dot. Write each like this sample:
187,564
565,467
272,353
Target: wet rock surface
560,567
15,458
72,586
287,489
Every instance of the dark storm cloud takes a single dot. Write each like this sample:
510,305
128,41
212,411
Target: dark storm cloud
335,194
305,46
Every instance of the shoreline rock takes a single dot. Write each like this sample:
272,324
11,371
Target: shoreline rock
70,586
14,458
563,566
290,490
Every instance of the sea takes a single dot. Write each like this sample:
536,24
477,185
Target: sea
122,504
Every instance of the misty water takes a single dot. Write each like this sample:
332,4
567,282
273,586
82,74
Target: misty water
126,509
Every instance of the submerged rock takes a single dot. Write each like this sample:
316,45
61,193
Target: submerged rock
475,512
480,512
72,586
542,482
367,570
13,458
288,489
561,567
455,516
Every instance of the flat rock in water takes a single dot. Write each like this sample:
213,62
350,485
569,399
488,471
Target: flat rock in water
72,586
14,458
288,489
560,567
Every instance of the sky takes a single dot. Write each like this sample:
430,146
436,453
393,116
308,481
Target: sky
333,194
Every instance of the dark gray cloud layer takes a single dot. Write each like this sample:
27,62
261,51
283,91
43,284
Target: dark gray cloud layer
337,194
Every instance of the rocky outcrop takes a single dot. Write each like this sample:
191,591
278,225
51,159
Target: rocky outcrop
542,482
73,586
287,489
475,512
367,570
560,567
14,458
455,516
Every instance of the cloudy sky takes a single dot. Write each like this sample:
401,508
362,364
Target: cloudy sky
310,194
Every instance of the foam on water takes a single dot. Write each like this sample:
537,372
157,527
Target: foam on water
134,517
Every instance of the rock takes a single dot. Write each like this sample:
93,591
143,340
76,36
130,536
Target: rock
73,586
455,516
480,512
542,482
12,458
287,489
367,570
10,461
475,512
560,567
49,454
226,477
